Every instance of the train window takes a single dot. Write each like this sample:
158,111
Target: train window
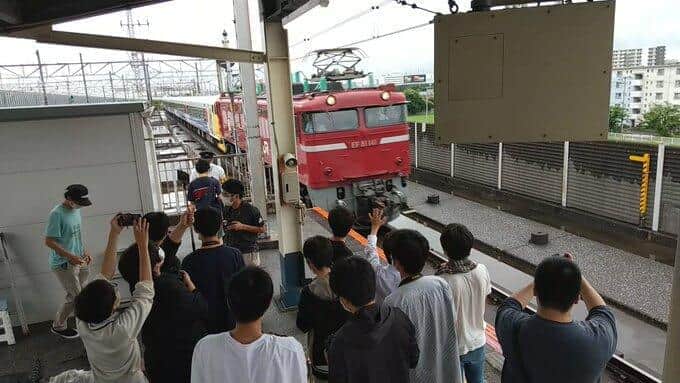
325,122
385,115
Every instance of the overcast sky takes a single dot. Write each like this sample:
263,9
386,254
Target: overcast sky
639,24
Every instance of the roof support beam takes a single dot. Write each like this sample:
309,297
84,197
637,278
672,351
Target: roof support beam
9,12
48,35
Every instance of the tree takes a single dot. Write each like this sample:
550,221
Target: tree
617,114
664,119
416,102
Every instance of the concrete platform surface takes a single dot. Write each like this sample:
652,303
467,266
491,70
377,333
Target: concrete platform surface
638,283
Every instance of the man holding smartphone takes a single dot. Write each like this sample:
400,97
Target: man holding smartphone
69,260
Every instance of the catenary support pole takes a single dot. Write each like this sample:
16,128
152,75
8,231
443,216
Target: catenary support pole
283,141
113,91
82,72
248,92
42,77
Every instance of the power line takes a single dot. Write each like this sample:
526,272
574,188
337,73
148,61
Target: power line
343,22
376,37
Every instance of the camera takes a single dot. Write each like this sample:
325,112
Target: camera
290,160
128,219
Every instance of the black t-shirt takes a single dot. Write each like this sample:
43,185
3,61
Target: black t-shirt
177,321
340,250
539,350
211,269
246,214
171,263
204,192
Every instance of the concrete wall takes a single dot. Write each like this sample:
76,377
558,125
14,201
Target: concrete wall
38,158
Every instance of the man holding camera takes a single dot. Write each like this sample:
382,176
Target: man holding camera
550,346
69,260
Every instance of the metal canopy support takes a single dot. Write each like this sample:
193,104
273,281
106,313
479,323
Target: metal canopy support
671,365
249,99
283,141
47,35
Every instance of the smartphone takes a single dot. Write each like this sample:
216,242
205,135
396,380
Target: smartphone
128,219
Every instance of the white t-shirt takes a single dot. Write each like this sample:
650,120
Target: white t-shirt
215,172
220,358
469,296
111,346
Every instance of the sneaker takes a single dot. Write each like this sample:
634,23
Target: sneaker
67,333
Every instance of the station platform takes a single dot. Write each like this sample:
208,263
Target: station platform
637,282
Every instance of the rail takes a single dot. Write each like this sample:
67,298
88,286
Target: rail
174,177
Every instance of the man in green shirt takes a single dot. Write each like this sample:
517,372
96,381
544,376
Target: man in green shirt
69,260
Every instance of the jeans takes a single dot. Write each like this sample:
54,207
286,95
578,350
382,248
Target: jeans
472,366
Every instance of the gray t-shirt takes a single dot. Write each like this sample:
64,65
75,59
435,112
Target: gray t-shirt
551,351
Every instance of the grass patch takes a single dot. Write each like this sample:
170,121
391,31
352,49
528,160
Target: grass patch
420,118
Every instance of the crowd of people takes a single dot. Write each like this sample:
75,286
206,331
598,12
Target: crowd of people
368,318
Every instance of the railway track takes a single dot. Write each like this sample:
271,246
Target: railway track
618,369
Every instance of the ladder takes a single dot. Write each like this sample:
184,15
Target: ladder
4,308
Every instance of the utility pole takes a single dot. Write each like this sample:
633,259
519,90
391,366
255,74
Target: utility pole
82,71
220,79
249,98
42,78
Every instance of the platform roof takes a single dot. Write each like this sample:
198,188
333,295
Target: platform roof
29,113
21,14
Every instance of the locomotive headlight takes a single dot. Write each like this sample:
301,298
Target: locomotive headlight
330,100
385,95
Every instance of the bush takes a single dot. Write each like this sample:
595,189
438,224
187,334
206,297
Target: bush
617,114
663,119
416,102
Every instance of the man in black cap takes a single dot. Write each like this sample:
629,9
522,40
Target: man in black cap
215,171
242,221
68,258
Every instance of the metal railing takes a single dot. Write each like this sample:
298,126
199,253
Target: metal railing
174,176
645,138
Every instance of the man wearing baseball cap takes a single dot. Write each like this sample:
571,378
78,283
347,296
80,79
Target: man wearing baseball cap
215,172
69,260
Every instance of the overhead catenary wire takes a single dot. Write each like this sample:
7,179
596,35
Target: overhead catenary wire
376,37
343,22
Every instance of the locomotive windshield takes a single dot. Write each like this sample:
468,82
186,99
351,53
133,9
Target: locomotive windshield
325,122
385,115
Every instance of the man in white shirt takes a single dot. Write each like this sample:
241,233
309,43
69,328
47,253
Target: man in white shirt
245,354
387,277
470,284
109,335
427,301
215,171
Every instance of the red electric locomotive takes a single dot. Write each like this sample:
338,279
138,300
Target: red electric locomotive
352,145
